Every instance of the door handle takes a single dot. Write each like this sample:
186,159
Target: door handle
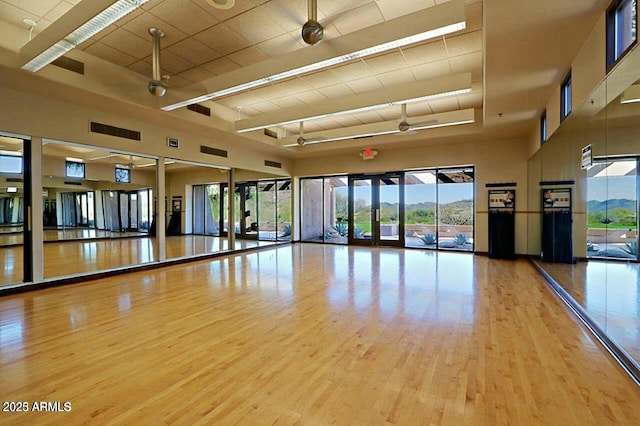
377,215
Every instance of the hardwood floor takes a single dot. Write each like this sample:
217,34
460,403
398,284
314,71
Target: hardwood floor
311,334
609,293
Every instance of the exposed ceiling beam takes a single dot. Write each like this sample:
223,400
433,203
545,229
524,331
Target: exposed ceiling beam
378,98
430,22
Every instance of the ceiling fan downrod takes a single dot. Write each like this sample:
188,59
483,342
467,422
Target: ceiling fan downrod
312,30
156,86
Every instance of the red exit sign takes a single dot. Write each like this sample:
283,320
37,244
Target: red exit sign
368,154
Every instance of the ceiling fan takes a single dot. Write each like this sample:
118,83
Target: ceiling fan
405,127
302,141
157,86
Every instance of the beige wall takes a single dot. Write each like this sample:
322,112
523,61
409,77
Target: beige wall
32,115
494,161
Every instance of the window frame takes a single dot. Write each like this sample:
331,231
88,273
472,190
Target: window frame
612,32
566,94
543,127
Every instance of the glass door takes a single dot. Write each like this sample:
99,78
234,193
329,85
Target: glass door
375,216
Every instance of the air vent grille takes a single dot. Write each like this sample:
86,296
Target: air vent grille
118,132
69,64
15,180
71,182
272,164
271,133
200,109
213,151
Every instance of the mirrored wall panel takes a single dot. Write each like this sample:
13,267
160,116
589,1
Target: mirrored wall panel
11,210
98,209
584,203
197,209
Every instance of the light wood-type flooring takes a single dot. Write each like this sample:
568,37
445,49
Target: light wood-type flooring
311,334
609,291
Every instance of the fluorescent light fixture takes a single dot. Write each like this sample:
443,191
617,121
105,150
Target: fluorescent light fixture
360,109
429,23
77,160
95,15
12,189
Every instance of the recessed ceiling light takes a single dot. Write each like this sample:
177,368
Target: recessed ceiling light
222,4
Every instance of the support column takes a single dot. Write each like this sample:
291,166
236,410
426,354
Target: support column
33,222
161,214
296,209
231,234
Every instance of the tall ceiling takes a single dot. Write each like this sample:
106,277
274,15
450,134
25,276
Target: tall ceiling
513,52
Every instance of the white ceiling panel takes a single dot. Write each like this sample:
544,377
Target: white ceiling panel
336,91
387,62
110,54
196,74
223,39
352,71
396,78
431,70
364,85
465,43
185,15
221,66
393,8
425,53
311,97
194,51
173,64
140,26
358,18
247,56
279,45
321,79
288,14
336,7
256,26
129,43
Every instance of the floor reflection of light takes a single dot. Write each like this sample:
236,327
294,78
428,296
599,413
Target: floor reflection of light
77,316
11,334
9,261
124,302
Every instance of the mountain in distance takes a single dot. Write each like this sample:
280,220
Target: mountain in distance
429,205
616,203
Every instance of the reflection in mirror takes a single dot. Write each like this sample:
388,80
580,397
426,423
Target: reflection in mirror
197,209
603,282
11,210
100,221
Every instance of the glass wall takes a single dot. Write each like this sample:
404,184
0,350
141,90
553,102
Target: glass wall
455,209
325,210
435,209
11,210
420,209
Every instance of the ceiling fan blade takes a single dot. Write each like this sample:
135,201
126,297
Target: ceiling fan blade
427,123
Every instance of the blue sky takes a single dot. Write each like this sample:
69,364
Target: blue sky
612,187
